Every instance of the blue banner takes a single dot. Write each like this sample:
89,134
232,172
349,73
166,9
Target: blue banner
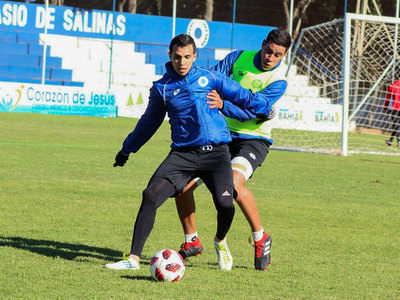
125,26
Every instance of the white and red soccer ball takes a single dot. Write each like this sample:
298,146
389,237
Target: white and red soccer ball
167,265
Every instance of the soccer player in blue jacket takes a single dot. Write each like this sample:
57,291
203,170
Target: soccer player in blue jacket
199,148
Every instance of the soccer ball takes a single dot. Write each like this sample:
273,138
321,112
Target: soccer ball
167,265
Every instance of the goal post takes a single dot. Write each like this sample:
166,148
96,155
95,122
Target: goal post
383,79
351,62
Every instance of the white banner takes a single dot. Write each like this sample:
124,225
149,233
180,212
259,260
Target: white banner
132,102
62,100
315,117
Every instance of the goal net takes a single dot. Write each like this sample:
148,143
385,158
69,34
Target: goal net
351,64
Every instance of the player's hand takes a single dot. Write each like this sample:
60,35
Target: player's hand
263,118
216,101
120,159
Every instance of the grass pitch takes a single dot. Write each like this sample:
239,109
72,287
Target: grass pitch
65,212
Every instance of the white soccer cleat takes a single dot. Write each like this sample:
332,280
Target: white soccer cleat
225,259
125,264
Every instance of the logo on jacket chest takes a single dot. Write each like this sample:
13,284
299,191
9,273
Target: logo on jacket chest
176,92
203,81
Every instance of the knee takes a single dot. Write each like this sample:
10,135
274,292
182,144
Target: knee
225,206
149,197
226,209
224,198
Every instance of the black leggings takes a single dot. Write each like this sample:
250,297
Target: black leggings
395,115
159,190
223,200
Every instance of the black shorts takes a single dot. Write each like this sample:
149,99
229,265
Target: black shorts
253,150
213,166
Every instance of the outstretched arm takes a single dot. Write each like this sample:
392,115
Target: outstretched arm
232,111
225,65
147,125
259,104
227,108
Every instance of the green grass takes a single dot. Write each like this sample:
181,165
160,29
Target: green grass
331,142
65,212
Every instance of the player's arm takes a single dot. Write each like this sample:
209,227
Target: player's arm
225,65
259,104
387,100
147,125
227,108
272,93
239,96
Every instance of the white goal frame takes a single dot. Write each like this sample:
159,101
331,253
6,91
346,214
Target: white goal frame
347,66
338,80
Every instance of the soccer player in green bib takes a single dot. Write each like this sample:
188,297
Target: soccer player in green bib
259,71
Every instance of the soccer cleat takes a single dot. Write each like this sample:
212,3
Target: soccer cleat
225,259
388,142
191,249
262,257
126,264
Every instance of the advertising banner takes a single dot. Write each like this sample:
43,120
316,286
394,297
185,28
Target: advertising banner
300,116
289,115
132,102
64,20
48,99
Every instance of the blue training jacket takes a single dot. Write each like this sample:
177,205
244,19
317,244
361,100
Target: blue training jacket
192,122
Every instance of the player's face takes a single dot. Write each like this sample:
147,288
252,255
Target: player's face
271,55
182,59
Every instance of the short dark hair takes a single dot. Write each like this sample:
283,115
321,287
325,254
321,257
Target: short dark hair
280,37
182,40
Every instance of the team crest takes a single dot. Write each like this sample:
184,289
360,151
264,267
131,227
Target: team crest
257,84
203,81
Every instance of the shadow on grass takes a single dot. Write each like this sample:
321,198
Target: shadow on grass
210,265
233,267
382,162
147,278
58,249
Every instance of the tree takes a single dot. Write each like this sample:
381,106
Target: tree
298,14
56,2
166,8
127,6
208,15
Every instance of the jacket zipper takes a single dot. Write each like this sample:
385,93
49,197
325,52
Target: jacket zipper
199,108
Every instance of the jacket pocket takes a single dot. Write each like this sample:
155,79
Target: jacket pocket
185,130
